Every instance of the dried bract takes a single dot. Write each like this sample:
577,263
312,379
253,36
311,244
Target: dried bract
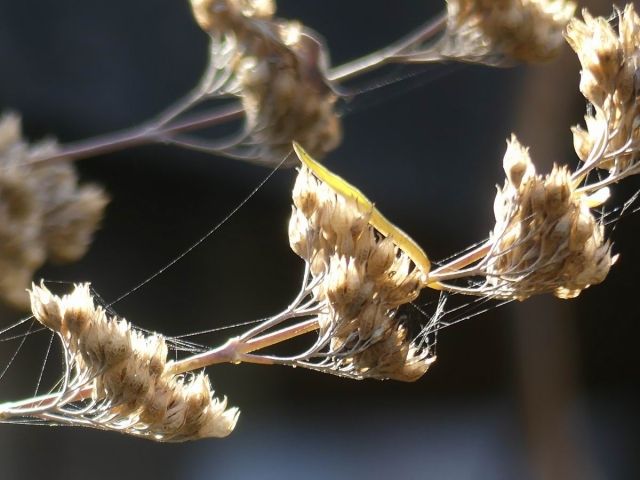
502,31
119,379
44,214
546,239
280,69
609,81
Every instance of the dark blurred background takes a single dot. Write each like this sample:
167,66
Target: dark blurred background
537,390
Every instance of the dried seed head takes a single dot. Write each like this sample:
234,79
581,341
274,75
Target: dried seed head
394,358
546,239
230,15
289,99
600,51
44,214
499,31
609,81
133,391
360,278
280,67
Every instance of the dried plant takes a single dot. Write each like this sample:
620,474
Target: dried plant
546,238
609,82
117,378
361,271
498,32
359,278
44,214
277,67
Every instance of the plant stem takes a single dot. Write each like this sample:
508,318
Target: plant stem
385,55
140,135
35,402
452,270
234,350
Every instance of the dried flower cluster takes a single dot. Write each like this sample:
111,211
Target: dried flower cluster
131,387
280,67
44,214
609,81
362,279
546,239
501,31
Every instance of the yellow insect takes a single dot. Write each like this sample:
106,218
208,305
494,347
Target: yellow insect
376,220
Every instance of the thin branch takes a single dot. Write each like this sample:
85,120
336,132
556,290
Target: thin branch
454,269
139,135
387,54
235,350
